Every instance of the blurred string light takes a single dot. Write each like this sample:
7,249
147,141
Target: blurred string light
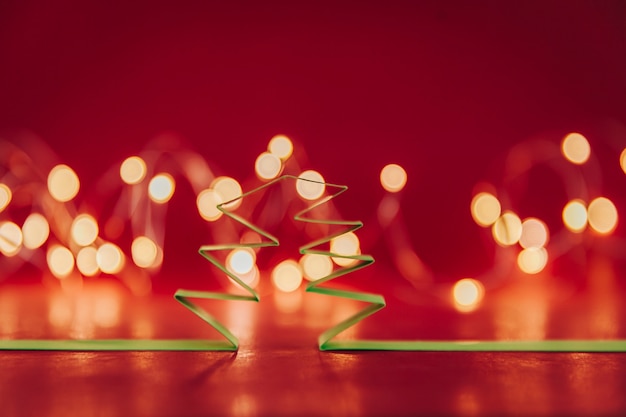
393,178
5,196
73,242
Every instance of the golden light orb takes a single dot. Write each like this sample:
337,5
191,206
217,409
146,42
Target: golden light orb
507,230
144,252
133,170
534,233
35,230
241,261
575,216
393,178
575,148
60,261
5,196
207,203
63,183
287,276
602,215
467,294
347,245
228,189
267,166
532,260
281,146
11,238
84,230
315,266
161,188
110,258
485,209
86,261
310,185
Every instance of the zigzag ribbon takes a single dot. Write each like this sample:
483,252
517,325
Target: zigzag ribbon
326,340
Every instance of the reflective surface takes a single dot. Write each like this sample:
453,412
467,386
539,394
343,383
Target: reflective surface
279,370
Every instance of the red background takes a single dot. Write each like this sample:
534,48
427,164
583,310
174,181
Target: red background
443,88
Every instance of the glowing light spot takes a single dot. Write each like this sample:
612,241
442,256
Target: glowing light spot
133,170
507,230
467,294
161,188
84,230
110,258
348,245
575,216
622,160
267,166
86,261
10,238
393,178
316,266
310,190
241,261
144,251
534,234
281,146
485,209
60,261
602,215
532,260
207,203
287,276
35,230
5,196
63,183
250,278
575,148
228,189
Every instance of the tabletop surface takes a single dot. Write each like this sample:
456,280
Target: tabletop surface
278,369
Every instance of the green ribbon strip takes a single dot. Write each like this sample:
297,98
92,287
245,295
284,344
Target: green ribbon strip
326,340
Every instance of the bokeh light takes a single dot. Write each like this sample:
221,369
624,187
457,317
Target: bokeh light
485,209
86,261
35,230
315,266
534,233
267,166
228,189
281,146
467,294
532,260
507,230
287,276
207,203
60,261
602,215
622,160
63,183
84,230
575,148
393,178
575,216
144,252
241,261
11,238
310,190
348,245
5,196
161,188
110,258
133,170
